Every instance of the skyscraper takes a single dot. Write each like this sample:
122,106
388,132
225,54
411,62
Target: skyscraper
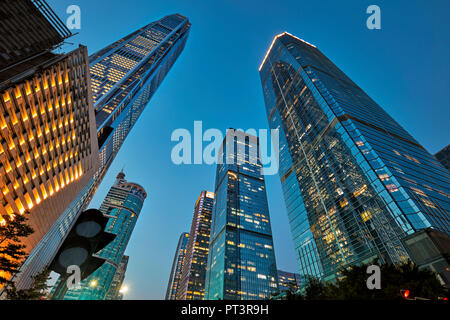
114,292
241,260
177,265
354,181
122,205
124,75
288,281
48,149
193,275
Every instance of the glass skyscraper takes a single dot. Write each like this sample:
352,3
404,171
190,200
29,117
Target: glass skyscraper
114,292
124,77
241,260
355,182
193,275
122,205
288,281
177,265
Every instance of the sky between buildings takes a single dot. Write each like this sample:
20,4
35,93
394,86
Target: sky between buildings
403,67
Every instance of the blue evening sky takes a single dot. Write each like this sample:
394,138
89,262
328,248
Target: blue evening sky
404,67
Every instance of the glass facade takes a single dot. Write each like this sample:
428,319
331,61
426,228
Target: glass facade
193,275
288,281
241,261
122,205
124,76
443,157
177,265
114,292
354,181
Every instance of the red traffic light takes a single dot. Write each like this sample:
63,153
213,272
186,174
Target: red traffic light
405,294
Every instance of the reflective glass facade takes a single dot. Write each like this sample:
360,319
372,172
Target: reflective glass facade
193,275
122,205
177,265
114,292
124,75
354,181
288,281
241,261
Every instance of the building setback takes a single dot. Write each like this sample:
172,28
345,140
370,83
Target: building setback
125,75
177,265
193,275
48,149
355,182
122,205
241,260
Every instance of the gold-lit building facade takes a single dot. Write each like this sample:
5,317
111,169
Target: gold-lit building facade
48,147
177,266
193,276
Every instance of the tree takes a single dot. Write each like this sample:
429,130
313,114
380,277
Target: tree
12,254
37,291
315,290
291,292
421,283
274,294
352,284
12,250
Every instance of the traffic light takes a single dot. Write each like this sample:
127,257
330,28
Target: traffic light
86,238
404,293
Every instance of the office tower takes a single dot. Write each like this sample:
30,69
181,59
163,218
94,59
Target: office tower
115,292
443,157
30,31
124,75
48,147
177,265
354,181
122,205
193,275
430,249
288,281
241,261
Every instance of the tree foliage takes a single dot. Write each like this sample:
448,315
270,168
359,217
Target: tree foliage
12,250
421,283
12,255
37,291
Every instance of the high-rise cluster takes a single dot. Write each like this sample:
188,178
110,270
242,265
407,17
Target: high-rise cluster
230,252
357,186
88,125
48,149
122,205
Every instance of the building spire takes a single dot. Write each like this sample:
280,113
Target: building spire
121,175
